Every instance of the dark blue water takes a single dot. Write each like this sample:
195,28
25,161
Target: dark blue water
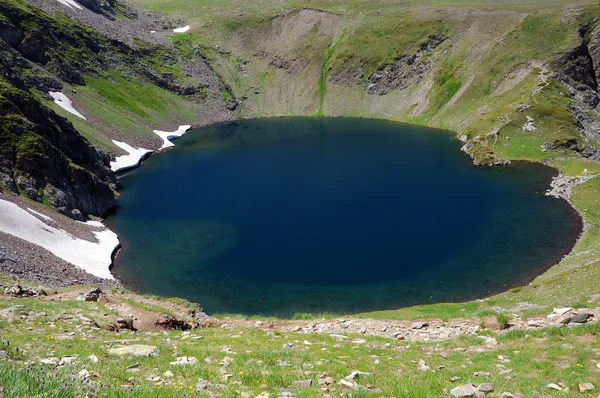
278,216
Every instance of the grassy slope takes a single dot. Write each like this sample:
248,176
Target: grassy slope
42,329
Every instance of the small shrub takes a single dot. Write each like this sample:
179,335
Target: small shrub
503,321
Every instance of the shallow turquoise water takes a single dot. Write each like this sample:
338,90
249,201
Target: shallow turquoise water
278,216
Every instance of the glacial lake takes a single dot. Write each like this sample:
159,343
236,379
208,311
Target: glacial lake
290,215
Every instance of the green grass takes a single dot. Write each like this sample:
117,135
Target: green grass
325,73
260,361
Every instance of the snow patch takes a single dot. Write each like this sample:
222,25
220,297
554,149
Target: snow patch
71,4
92,257
182,30
37,213
133,159
64,102
167,136
529,125
96,224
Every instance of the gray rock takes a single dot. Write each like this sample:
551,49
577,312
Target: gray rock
203,384
93,295
136,350
302,383
485,387
355,375
467,390
419,325
184,361
585,387
582,317
553,386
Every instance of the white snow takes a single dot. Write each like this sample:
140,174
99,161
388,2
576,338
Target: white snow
135,155
37,213
182,30
167,136
93,257
64,102
91,223
70,3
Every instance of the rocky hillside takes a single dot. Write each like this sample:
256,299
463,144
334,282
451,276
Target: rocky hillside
514,81
50,156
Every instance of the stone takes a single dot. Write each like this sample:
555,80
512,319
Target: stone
258,324
136,350
511,395
346,384
302,383
585,387
454,379
561,310
485,387
419,325
185,361
66,361
423,366
479,394
467,390
582,317
93,359
83,374
355,374
23,291
203,384
553,386
93,295
168,374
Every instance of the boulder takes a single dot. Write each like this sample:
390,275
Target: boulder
93,295
582,317
485,387
467,390
419,325
23,291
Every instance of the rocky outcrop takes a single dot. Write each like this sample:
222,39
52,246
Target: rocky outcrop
405,71
45,158
42,156
578,69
